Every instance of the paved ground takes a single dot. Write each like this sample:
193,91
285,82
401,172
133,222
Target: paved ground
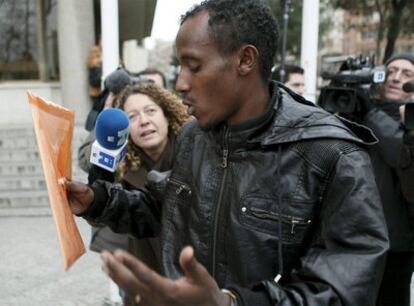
31,269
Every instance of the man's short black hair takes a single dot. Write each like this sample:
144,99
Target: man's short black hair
234,23
153,71
289,69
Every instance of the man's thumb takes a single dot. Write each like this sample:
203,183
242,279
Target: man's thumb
193,270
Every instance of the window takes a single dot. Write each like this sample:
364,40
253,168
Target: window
25,55
366,35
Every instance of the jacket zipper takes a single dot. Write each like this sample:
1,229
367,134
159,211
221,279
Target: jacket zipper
293,221
224,165
180,187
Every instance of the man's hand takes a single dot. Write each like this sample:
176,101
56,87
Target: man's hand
365,104
402,113
80,196
196,287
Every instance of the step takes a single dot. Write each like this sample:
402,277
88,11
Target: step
23,168
25,212
37,198
20,168
32,182
16,130
17,142
22,183
12,155
13,212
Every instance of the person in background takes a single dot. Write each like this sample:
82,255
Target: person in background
154,74
156,117
270,201
382,116
94,65
114,83
294,78
101,236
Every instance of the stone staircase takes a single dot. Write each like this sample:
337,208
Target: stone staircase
22,183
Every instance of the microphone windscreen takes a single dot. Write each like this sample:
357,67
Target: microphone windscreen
117,80
112,127
408,86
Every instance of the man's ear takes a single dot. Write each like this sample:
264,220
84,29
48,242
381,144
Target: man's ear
248,59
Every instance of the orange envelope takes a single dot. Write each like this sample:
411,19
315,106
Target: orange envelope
53,126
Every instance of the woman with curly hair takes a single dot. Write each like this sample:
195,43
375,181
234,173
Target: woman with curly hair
156,116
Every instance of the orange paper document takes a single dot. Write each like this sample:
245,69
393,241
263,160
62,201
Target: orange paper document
53,125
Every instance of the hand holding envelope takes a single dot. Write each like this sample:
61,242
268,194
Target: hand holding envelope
53,126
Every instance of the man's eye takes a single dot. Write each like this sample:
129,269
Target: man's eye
195,69
391,70
409,74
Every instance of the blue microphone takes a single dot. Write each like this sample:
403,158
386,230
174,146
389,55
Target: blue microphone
109,148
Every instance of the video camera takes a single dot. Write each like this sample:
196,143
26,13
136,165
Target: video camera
355,74
116,81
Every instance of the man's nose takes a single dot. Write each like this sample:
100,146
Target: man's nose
182,85
397,76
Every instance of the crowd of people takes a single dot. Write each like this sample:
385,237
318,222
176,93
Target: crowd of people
241,192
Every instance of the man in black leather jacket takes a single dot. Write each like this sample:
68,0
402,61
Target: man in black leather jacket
275,196
383,118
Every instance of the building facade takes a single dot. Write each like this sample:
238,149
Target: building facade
45,45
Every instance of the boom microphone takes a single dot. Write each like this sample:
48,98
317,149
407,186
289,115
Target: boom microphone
109,148
408,86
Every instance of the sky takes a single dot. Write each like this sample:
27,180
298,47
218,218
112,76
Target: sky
167,17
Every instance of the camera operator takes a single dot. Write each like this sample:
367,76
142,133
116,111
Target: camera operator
383,117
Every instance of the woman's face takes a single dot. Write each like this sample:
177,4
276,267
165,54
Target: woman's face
148,124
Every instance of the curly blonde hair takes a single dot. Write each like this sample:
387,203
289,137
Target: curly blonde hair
171,105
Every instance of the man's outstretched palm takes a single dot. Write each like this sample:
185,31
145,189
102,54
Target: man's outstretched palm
196,287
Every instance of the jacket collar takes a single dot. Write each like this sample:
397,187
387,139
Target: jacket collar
236,136
289,118
298,119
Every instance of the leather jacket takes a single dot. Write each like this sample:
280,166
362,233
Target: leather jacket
384,121
289,193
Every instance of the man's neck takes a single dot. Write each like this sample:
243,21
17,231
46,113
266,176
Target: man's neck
256,100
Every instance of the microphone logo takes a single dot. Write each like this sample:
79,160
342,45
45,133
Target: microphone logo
106,160
122,136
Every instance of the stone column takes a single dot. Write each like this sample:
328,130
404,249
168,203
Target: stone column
110,36
41,41
309,46
76,37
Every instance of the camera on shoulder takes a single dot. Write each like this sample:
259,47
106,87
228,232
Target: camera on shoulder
355,75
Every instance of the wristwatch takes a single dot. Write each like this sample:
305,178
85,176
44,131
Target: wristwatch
233,297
